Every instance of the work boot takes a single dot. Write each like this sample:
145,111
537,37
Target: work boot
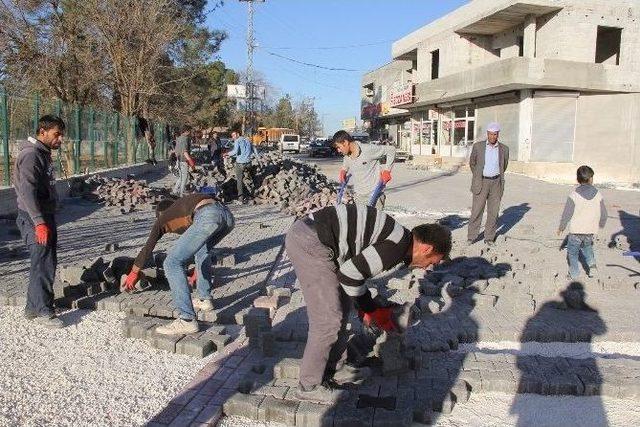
351,374
179,327
51,321
203,304
29,315
321,394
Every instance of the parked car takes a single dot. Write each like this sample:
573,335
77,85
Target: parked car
304,145
322,148
290,143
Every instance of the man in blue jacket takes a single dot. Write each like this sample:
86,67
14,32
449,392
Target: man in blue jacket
35,183
242,150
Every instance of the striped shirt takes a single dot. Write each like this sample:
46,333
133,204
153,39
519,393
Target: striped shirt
365,242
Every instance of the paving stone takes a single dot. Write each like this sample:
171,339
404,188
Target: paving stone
314,415
220,341
197,347
164,342
348,415
244,405
278,410
207,316
287,368
210,414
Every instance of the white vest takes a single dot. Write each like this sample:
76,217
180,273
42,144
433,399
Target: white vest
586,214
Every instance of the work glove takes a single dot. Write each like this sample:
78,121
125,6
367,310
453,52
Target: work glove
381,317
192,278
385,176
343,176
42,234
132,279
191,163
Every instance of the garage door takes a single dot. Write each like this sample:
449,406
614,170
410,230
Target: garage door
553,126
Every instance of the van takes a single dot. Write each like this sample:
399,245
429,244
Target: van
290,143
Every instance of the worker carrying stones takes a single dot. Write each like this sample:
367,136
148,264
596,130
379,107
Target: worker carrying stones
334,251
202,221
37,199
363,168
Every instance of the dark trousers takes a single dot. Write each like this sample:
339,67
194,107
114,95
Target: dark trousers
44,259
240,167
490,196
328,306
218,163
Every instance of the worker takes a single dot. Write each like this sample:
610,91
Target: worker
37,199
334,251
182,151
202,221
242,150
363,163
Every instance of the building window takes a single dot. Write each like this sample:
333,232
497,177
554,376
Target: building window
608,45
521,46
435,64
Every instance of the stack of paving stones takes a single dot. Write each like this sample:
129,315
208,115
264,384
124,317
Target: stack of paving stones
295,187
128,194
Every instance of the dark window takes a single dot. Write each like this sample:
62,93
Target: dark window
435,64
608,45
520,46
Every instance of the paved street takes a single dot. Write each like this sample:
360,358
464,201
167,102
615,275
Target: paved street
512,327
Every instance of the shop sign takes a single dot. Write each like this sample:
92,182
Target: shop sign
401,96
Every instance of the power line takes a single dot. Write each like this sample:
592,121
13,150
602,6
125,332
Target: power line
322,67
327,47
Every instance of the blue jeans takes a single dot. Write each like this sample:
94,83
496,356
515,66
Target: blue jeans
210,224
183,178
577,243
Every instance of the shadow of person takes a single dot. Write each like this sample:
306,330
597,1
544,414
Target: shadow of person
536,372
510,217
630,232
453,221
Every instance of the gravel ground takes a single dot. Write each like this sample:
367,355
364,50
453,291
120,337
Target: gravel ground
84,374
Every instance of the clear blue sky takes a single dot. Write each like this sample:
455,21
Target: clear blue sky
351,34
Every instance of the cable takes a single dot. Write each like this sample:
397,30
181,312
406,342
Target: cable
305,78
311,65
327,47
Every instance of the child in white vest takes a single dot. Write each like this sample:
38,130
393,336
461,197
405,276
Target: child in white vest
585,214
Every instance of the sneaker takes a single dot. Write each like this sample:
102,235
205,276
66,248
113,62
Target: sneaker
490,243
321,394
179,327
351,374
593,272
51,322
202,304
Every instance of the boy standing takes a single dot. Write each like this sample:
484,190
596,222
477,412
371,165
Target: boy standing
585,213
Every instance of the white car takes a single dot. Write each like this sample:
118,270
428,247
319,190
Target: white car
290,143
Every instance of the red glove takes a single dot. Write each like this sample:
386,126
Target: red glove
42,234
385,176
343,176
193,277
191,163
382,318
132,279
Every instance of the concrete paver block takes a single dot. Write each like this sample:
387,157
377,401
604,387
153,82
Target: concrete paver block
197,347
314,415
278,410
244,405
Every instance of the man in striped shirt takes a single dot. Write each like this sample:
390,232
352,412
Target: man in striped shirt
334,251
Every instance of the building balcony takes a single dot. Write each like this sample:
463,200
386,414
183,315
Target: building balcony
526,73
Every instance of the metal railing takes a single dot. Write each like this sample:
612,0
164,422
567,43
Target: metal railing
95,139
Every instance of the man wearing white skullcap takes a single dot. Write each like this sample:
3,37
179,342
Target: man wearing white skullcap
488,162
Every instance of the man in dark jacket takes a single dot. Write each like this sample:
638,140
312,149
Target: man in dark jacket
215,148
35,183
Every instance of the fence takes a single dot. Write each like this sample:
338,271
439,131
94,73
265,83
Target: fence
94,139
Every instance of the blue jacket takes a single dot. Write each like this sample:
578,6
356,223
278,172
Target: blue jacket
242,150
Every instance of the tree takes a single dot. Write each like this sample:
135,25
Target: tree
283,114
307,123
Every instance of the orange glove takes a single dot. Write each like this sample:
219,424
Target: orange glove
42,234
193,277
385,176
343,176
382,318
132,279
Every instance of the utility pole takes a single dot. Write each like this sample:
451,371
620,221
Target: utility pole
250,106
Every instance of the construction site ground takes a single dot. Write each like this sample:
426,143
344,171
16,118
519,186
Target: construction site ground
515,345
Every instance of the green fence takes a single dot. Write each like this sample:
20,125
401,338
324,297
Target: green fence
94,139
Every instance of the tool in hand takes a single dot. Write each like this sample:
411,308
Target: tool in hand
377,192
343,187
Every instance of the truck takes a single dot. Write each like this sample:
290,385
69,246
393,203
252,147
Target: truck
270,137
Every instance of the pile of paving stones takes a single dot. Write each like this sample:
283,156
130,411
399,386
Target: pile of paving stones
297,188
128,194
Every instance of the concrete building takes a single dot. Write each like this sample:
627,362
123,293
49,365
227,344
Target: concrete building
561,76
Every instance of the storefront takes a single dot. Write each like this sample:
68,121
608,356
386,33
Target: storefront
443,132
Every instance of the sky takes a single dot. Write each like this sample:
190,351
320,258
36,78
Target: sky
345,34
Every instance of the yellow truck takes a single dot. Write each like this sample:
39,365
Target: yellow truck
270,137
